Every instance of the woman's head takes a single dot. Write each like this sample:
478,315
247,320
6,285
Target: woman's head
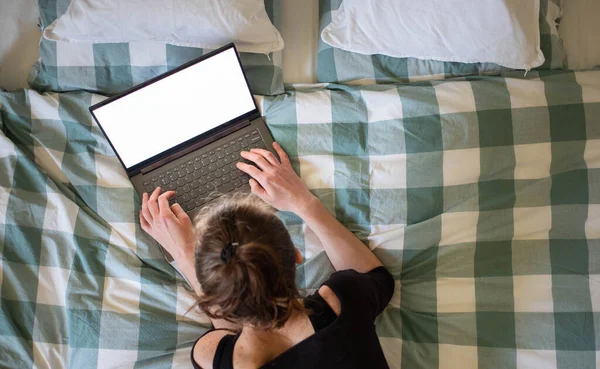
245,263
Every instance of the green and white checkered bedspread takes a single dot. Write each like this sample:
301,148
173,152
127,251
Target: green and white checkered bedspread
81,285
481,196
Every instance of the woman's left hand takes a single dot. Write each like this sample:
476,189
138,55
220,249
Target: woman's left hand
170,226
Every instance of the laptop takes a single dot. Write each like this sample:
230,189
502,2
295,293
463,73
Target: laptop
184,130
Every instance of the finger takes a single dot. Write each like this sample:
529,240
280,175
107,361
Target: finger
145,210
267,155
285,160
152,204
251,170
257,159
163,204
180,213
257,189
144,223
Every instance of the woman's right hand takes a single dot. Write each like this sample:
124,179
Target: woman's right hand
277,184
275,181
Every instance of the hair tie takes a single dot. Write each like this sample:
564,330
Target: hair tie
228,251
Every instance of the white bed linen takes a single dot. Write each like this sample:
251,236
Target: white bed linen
580,29
19,38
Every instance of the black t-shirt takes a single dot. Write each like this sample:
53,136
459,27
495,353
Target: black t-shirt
345,341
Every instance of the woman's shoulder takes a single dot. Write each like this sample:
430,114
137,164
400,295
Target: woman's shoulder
331,299
365,294
206,346
352,278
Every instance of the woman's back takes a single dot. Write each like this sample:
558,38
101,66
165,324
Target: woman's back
345,341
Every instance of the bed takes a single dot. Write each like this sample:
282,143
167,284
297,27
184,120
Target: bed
480,194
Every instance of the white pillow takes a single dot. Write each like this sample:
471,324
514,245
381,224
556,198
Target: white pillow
504,32
196,23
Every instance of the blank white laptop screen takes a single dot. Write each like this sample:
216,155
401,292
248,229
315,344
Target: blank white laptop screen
177,108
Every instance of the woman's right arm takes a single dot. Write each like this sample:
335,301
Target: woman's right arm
277,184
343,248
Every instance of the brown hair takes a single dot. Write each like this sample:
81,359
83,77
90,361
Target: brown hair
246,263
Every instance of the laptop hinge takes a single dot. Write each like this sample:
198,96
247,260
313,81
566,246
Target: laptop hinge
196,146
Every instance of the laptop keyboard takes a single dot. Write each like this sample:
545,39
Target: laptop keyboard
207,175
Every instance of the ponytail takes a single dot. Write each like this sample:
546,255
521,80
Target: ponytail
245,263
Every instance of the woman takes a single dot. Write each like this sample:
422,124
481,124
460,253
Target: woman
241,261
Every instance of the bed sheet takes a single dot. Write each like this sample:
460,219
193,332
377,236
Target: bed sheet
580,27
300,30
19,38
481,196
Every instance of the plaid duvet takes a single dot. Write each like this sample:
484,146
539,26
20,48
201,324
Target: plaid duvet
481,196
340,66
111,68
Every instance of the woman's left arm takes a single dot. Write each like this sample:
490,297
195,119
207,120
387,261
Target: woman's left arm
172,228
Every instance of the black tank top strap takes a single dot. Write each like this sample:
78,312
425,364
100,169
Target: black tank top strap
224,354
194,364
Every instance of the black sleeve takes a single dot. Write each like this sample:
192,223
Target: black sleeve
363,294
